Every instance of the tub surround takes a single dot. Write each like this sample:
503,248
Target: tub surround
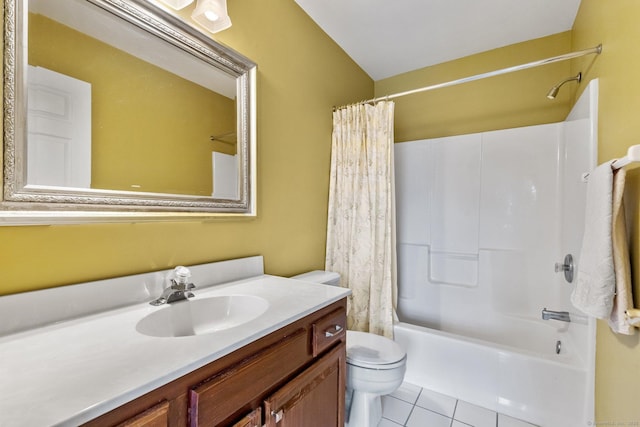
481,290
73,365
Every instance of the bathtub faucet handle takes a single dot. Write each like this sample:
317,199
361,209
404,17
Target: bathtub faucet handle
566,267
561,267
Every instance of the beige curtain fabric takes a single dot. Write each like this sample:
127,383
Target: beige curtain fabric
361,224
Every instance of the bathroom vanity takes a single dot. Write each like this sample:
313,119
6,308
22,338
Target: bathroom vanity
294,376
95,364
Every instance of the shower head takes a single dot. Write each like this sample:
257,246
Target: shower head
553,92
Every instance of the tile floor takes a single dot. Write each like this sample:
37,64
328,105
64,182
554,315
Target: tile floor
413,406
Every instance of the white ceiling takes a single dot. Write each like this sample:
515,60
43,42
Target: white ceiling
390,37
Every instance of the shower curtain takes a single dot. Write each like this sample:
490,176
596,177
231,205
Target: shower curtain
361,225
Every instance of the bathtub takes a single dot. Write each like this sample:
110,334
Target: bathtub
538,386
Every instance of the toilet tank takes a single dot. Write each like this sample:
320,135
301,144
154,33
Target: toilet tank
320,276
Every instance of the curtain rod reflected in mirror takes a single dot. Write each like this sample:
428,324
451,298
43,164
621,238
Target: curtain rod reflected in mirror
150,92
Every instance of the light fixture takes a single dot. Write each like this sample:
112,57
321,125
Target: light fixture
177,4
212,15
553,92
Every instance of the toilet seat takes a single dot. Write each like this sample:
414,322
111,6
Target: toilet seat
372,351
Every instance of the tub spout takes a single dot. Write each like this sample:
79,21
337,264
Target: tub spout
555,315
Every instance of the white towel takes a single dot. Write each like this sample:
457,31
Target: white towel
595,284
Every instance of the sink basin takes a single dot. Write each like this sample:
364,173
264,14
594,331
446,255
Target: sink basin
202,316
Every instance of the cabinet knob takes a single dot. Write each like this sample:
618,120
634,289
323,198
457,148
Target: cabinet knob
333,331
277,415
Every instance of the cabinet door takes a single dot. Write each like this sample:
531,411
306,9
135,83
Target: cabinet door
315,398
157,416
254,419
221,398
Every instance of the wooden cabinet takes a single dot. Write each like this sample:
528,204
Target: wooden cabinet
216,401
156,416
253,419
309,399
295,375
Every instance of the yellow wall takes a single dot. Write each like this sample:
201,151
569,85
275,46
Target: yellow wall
142,115
301,75
501,102
615,25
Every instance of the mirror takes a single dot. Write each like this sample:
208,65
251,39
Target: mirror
116,107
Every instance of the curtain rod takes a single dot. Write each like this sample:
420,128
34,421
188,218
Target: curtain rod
594,50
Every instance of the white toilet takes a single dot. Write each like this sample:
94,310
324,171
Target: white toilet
375,366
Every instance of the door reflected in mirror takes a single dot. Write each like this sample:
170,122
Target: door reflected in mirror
58,129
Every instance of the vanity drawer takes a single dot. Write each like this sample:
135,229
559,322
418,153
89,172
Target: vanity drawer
219,398
328,330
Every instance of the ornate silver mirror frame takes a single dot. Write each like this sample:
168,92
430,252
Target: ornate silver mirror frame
32,204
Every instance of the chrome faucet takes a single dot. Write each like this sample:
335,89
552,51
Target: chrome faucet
555,315
179,290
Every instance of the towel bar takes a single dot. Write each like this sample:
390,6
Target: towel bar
634,316
633,313
633,156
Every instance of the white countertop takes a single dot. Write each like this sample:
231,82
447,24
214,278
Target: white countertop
70,372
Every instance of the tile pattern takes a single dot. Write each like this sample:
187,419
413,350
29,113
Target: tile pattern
413,406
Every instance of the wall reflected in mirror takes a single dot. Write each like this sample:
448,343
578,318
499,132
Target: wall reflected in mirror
110,107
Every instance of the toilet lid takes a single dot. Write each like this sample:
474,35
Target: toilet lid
373,351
